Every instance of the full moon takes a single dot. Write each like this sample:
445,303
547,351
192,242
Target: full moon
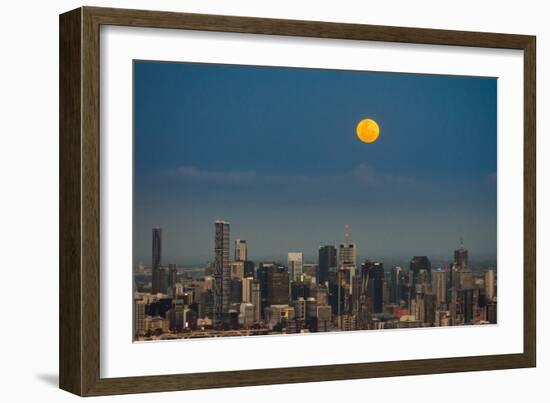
368,130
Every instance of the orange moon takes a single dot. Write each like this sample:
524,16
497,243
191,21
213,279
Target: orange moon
368,130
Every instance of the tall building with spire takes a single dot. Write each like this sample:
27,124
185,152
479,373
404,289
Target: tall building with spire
222,271
347,255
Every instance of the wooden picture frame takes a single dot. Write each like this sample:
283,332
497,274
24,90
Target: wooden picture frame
79,346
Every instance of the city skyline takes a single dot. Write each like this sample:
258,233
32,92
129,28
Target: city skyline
310,200
294,167
239,297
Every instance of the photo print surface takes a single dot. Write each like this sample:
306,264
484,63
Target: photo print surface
276,200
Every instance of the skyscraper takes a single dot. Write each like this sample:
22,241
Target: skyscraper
295,265
158,283
376,286
274,284
439,286
421,270
157,247
247,289
347,265
240,250
222,271
277,285
255,299
327,260
461,257
490,285
172,274
467,305
395,285
347,255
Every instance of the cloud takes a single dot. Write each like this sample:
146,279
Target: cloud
192,173
368,176
362,175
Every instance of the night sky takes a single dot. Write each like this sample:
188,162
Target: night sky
273,150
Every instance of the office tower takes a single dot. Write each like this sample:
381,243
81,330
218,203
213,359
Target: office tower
247,296
139,317
429,301
461,257
248,268
157,247
439,286
324,318
255,299
157,272
465,279
467,305
262,279
300,289
172,275
274,284
237,269
222,271
491,314
420,270
347,264
277,285
160,324
206,306
374,282
240,250
327,260
246,315
490,285
295,265
420,307
347,255
321,294
279,314
311,270
236,291
311,311
176,316
396,283
299,306
162,280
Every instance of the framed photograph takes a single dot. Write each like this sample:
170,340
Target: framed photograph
250,201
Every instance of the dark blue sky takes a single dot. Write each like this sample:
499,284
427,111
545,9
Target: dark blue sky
273,150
